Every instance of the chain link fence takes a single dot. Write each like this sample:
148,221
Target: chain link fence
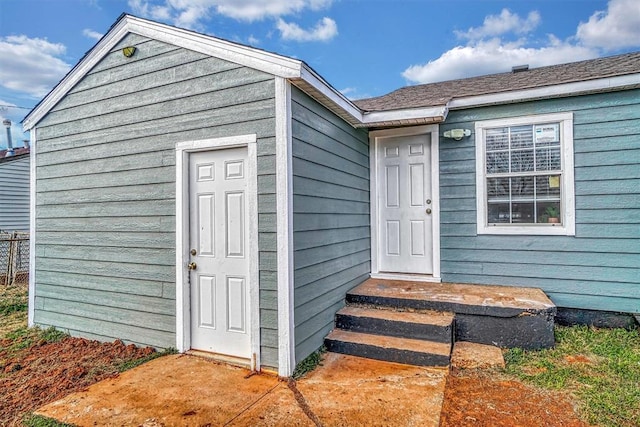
14,258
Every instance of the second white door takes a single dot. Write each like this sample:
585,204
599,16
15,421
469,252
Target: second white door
405,241
219,283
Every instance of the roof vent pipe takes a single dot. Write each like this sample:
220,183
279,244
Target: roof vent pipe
520,68
7,124
25,142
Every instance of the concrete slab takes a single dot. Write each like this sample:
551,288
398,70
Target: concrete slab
188,390
353,391
172,390
469,355
500,301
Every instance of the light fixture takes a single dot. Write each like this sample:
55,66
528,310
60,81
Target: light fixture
457,134
128,51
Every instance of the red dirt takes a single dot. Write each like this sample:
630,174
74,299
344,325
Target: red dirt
482,398
45,372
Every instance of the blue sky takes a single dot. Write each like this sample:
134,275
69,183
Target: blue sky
363,48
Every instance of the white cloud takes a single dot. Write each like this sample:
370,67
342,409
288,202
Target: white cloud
507,39
616,28
31,65
506,22
353,93
191,13
325,30
254,41
494,56
92,34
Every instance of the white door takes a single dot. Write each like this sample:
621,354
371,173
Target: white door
405,241
218,246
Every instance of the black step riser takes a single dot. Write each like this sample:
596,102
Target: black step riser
527,332
375,326
387,354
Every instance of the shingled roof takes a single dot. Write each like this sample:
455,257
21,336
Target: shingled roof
440,93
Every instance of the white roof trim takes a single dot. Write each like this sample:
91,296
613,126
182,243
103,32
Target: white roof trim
267,62
437,114
312,78
566,89
289,68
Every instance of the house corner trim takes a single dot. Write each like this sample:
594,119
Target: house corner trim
284,226
32,229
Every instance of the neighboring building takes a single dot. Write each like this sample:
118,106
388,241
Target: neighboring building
197,160
14,191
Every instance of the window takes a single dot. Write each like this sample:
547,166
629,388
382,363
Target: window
524,175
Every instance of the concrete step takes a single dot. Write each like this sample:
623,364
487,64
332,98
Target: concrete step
390,349
430,326
505,316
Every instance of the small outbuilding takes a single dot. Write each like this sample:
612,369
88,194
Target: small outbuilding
195,193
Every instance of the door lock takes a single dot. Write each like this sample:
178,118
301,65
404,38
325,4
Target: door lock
429,211
192,266
193,252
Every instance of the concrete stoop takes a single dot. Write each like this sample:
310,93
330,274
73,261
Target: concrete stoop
418,323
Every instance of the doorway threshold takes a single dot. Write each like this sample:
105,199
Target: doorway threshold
408,277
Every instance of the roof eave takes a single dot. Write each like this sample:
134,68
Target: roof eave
405,117
584,87
271,63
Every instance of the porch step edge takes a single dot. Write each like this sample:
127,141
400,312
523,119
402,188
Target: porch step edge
391,349
430,326
479,300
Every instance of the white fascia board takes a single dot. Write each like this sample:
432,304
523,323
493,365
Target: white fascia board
567,89
260,60
312,78
438,114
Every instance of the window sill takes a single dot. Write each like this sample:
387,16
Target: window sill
515,230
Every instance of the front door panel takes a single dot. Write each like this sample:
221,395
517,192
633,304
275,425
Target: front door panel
218,234
405,243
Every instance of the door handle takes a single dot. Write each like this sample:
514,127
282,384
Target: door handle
428,211
192,266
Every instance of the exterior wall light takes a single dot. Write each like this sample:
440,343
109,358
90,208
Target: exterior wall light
457,134
129,51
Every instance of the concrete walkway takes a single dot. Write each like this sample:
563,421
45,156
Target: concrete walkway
183,390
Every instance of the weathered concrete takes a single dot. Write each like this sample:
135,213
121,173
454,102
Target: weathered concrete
498,315
192,391
432,326
469,355
392,349
498,301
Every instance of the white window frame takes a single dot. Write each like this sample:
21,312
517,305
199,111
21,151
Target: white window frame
567,192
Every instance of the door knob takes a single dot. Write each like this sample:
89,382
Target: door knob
192,266
429,210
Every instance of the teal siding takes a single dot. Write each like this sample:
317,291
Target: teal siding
105,248
597,269
330,217
14,193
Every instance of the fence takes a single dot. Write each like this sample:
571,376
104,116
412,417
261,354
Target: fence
14,258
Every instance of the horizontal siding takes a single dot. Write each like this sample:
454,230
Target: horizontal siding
105,202
599,268
14,194
331,231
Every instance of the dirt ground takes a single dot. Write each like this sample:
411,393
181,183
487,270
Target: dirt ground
34,372
485,398
44,372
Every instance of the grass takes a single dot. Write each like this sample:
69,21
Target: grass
40,421
24,337
600,367
310,363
